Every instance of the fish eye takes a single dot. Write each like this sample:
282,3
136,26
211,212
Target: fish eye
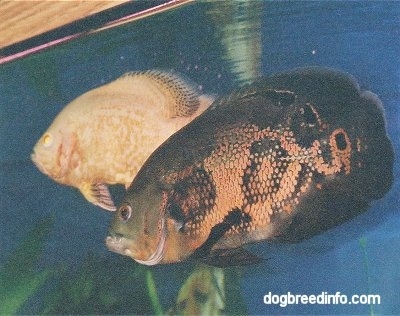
47,140
125,212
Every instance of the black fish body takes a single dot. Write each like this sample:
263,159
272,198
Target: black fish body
284,158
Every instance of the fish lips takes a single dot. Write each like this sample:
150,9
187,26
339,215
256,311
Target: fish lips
37,163
41,166
114,244
119,244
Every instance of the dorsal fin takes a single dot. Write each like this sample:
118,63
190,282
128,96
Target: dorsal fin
183,97
256,89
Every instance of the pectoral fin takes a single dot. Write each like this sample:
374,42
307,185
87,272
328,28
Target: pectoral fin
98,194
224,257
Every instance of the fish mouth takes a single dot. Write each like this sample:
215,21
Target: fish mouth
117,243
37,163
41,166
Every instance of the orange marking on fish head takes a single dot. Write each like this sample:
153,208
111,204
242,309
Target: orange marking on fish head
68,153
341,148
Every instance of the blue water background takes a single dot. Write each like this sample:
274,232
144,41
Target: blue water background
362,38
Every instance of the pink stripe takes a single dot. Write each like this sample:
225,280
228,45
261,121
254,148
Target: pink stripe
162,7
36,49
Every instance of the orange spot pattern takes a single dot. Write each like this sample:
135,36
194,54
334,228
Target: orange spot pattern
261,172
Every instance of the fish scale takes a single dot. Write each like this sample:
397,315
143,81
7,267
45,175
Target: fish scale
261,182
282,159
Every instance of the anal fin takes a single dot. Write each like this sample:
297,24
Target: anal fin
231,257
98,194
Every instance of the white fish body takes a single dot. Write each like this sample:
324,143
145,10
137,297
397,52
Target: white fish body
105,135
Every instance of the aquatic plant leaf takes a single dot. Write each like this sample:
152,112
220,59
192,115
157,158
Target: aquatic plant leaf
151,286
363,244
100,285
234,302
18,277
13,299
22,261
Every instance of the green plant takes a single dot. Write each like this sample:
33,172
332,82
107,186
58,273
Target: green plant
363,245
103,285
19,279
